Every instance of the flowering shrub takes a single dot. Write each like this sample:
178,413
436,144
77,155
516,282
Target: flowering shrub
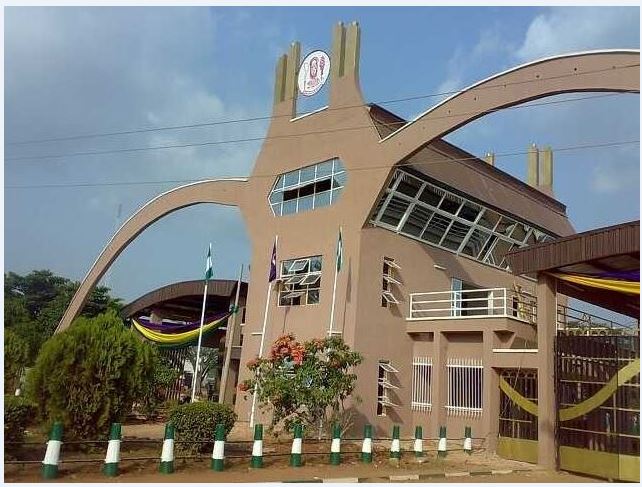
303,382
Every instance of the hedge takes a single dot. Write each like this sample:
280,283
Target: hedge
196,422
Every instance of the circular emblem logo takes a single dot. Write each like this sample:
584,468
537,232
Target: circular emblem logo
313,73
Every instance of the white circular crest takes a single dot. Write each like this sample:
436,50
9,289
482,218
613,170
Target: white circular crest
313,73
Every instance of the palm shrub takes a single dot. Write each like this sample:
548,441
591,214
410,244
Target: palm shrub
196,422
90,375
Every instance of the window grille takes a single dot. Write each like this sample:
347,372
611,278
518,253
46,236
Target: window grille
300,281
465,387
389,270
421,384
384,385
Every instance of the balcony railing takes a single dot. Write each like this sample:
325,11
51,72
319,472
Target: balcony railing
473,303
571,321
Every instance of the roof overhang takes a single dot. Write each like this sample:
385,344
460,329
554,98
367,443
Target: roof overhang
610,249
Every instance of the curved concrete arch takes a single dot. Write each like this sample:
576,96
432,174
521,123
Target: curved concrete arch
229,192
604,70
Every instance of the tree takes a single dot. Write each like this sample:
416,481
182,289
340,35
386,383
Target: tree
304,383
208,359
90,375
35,303
15,358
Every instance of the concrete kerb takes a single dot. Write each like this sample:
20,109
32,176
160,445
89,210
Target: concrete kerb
410,476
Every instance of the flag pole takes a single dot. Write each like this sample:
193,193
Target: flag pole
334,288
200,331
265,318
229,339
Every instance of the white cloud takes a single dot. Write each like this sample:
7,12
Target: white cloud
568,29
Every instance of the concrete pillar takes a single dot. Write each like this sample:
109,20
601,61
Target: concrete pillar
532,176
439,382
546,180
546,333
490,425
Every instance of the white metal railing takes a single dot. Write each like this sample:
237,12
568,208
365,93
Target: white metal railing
473,303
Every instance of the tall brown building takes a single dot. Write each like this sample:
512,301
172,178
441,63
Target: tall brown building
425,292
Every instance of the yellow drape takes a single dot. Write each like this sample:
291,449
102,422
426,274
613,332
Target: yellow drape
178,337
627,287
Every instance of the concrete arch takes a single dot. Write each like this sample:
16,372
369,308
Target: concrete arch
604,70
229,192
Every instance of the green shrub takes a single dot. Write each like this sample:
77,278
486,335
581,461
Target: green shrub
18,411
15,358
196,422
162,379
90,375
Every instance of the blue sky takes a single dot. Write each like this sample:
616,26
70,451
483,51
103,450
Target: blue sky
75,70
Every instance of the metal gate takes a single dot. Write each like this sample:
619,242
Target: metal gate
517,426
598,399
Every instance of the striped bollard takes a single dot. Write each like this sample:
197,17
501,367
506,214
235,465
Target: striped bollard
335,447
395,448
441,446
418,446
468,440
218,454
52,455
295,455
167,453
257,448
366,448
110,468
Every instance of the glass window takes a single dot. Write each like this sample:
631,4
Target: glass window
395,211
409,186
289,207
322,199
436,228
451,203
300,281
305,203
308,188
307,174
469,211
416,221
489,219
452,222
431,195
455,236
475,243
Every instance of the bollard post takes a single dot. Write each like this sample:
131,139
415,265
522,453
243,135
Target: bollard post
418,446
295,455
52,455
335,447
468,440
110,468
441,446
395,449
257,447
218,453
366,448
167,453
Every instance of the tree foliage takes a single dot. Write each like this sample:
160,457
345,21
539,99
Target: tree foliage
18,412
304,383
90,375
35,303
15,356
165,374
